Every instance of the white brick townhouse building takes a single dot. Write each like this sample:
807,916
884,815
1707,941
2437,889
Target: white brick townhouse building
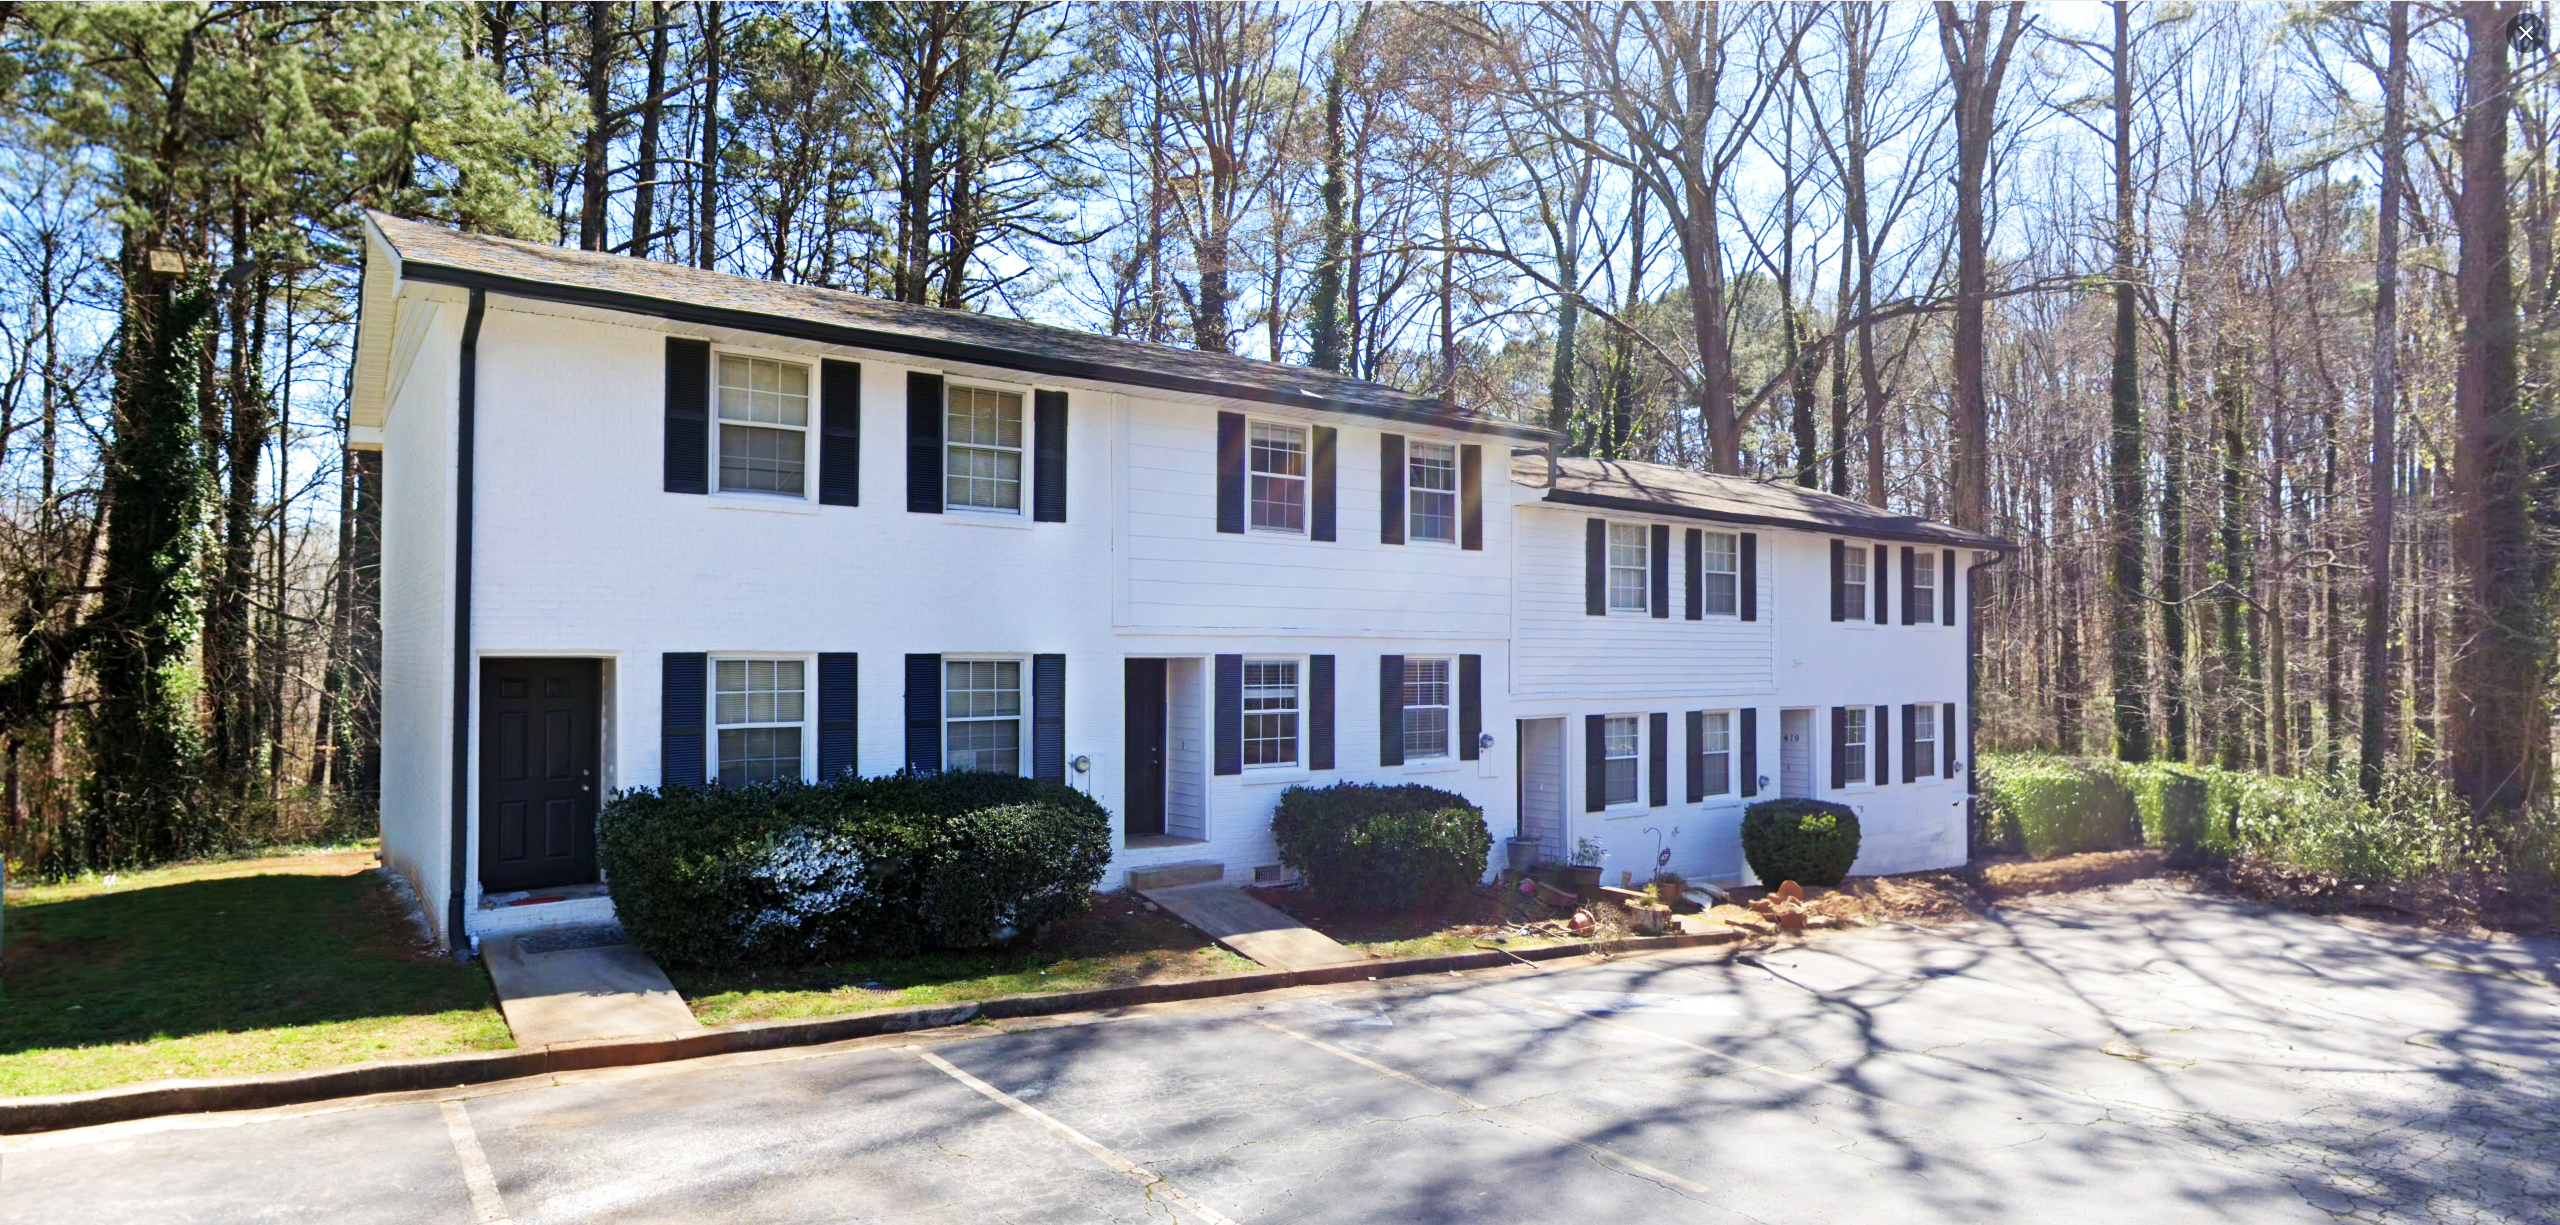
647,525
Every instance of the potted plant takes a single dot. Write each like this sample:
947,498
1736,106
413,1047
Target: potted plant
1521,854
1582,871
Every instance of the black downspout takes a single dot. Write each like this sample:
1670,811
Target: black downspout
468,399
1973,712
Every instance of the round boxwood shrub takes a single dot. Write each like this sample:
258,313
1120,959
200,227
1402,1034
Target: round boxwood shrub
1810,842
1366,847
788,871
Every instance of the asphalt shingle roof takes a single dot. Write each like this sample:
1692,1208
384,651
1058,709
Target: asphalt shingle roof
1661,489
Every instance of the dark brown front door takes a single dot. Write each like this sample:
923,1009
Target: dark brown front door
1143,808
538,763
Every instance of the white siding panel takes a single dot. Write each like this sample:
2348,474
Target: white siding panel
1562,649
417,603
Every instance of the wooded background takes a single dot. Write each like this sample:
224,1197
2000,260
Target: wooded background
2239,319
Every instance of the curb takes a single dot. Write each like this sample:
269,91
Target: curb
24,1115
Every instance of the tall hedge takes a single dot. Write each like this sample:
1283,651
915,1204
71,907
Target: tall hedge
1369,847
2045,806
788,871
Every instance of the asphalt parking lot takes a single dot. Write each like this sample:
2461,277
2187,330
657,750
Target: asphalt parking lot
2135,1056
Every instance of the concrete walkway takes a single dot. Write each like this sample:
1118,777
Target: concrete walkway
1235,919
574,984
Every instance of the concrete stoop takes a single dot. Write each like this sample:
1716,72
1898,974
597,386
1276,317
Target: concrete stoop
1236,919
578,984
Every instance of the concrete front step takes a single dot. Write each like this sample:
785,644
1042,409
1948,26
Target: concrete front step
1175,875
1238,920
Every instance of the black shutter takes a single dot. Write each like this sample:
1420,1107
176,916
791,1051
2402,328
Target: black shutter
681,707
1947,585
924,450
838,674
1320,712
1839,581
1391,489
1391,710
924,713
1595,762
1320,483
1910,741
1750,754
1947,738
1658,759
1911,613
839,433
688,415
1049,457
1697,755
1750,578
1231,473
1880,585
1230,714
1839,747
1049,718
1880,734
1471,497
1595,567
1693,559
1658,561
1470,705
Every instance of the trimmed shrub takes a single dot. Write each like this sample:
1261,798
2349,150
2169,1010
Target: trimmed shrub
1810,842
2184,810
788,871
2045,806
1366,847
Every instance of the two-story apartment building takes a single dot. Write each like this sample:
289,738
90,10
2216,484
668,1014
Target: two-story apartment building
648,525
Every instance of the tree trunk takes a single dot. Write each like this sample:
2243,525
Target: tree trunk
2128,650
644,194
1975,66
595,181
706,234
2373,733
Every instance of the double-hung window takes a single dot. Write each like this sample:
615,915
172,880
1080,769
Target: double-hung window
982,715
1924,740
1426,708
1853,582
1853,744
760,707
1924,588
764,426
1431,491
1629,567
1715,744
982,449
1271,712
1276,464
1620,741
1720,573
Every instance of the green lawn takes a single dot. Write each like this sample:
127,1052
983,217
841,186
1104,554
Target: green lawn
224,969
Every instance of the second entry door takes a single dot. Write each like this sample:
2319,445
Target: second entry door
1142,804
1795,754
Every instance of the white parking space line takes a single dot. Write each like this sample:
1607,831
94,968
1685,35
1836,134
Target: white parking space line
486,1207
1606,1156
1154,1183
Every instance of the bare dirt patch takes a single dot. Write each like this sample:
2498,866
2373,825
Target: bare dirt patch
2006,878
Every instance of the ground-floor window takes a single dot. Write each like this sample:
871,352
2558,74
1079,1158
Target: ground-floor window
1620,741
1853,744
1270,712
1924,741
760,707
982,715
1426,708
1715,744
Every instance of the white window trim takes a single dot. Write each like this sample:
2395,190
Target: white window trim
1703,610
1306,480
1865,617
1457,496
988,515
1299,765
1022,737
1644,730
1930,760
1448,758
1732,758
808,710
1610,567
1937,606
1866,781
754,499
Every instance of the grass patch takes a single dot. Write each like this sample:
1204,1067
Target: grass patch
1118,942
225,968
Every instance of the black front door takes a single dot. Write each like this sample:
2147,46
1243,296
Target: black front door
1143,814
538,762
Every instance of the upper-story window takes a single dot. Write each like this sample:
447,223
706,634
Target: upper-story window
1924,588
1276,462
1628,567
1853,744
1924,741
1853,582
1431,491
1619,742
1271,712
1720,573
760,707
1426,708
764,425
983,449
982,715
